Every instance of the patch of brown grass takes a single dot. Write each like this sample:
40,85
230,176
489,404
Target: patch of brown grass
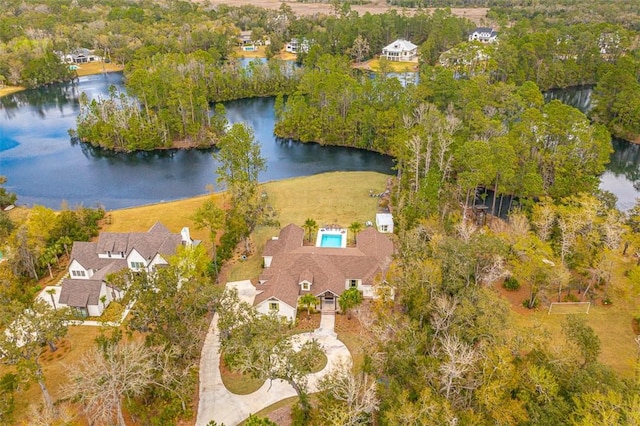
258,53
91,68
306,324
7,90
238,383
612,323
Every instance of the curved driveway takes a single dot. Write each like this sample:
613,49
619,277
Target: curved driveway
217,403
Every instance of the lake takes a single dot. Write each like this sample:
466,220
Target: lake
44,167
622,177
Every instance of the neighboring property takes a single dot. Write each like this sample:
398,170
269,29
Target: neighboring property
384,223
87,291
292,270
484,35
79,56
401,51
295,46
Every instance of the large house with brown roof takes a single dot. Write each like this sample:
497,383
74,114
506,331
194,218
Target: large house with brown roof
292,269
87,291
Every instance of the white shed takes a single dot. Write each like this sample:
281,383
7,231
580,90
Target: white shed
384,222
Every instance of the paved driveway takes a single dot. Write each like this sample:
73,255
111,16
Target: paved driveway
217,403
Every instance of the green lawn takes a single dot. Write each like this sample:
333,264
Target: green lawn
339,197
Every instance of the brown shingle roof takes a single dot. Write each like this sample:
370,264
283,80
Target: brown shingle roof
327,268
80,293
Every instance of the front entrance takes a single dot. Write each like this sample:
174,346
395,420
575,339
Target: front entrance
329,303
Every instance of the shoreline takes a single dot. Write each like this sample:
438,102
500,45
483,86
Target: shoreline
92,68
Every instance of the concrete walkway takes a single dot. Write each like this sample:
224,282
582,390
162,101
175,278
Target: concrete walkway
217,403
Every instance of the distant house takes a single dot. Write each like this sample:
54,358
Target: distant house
484,35
295,46
292,269
79,56
384,223
401,50
87,291
244,38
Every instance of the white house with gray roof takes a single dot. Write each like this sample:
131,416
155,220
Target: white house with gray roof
87,291
292,269
484,35
401,51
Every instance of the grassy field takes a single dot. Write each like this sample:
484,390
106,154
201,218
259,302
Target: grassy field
374,65
612,323
7,90
329,198
91,68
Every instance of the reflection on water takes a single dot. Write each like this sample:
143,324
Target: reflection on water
622,177
44,167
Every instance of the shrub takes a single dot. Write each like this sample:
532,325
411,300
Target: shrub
571,298
511,284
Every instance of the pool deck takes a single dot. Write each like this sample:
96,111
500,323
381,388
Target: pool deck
341,232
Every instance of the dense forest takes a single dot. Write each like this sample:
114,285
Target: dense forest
446,349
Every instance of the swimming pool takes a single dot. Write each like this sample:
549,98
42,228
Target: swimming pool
335,238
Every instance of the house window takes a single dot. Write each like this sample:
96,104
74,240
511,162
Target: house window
78,273
383,228
305,286
137,265
273,306
353,283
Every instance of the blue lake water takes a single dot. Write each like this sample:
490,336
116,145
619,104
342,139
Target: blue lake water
44,167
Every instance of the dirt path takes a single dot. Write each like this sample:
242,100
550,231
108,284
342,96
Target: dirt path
304,9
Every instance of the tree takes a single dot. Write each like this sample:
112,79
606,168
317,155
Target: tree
583,337
103,378
258,421
261,346
354,228
308,300
349,299
240,164
6,198
310,226
360,48
210,216
27,330
347,399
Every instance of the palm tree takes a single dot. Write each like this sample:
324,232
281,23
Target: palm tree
51,292
355,227
103,299
310,226
307,301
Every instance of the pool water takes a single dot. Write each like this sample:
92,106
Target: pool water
331,240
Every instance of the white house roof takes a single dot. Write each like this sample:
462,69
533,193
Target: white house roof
384,219
400,45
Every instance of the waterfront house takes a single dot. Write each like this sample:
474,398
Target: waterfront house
292,269
401,51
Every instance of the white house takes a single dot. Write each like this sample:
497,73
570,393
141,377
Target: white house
80,56
295,46
384,223
292,270
484,35
87,291
401,50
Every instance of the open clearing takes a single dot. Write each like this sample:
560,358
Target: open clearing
476,15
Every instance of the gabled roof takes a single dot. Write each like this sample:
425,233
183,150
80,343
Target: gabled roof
400,45
327,268
80,293
158,240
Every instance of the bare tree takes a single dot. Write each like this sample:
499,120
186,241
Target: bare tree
360,48
347,399
543,218
103,378
460,361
